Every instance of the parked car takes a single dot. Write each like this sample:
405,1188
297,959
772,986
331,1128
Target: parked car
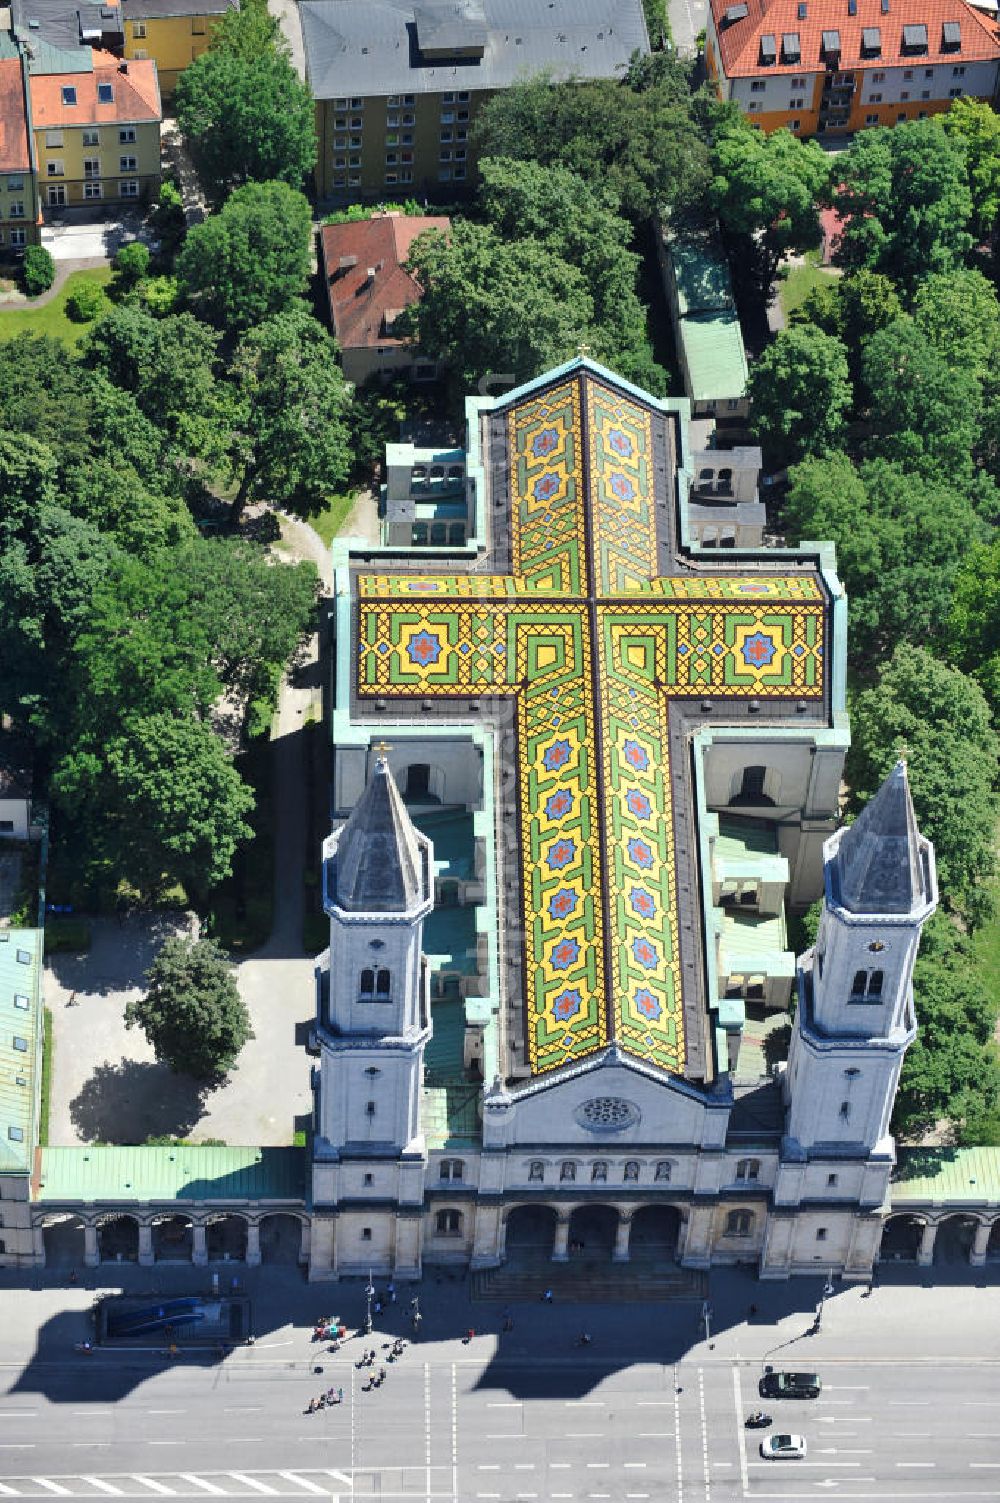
783,1447
790,1386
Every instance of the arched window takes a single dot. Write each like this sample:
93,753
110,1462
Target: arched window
631,1170
875,984
751,789
382,984
418,780
599,1170
367,984
567,1170
452,1169
536,1170
748,1169
663,1169
739,1223
448,1223
859,985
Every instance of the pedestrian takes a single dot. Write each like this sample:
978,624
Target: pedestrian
752,1312
391,1292
547,1297
340,1395
378,1307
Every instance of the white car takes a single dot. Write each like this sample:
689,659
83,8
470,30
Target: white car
783,1447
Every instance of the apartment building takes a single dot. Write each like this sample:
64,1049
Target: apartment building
96,127
397,85
828,68
172,33
18,198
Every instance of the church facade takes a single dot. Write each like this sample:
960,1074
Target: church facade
586,777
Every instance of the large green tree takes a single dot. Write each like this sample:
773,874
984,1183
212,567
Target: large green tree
490,306
940,719
924,409
799,394
291,436
244,113
903,195
250,260
974,628
192,1012
976,124
765,190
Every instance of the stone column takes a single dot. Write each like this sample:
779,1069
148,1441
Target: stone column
977,1256
925,1252
146,1259
560,1247
91,1252
621,1253
253,1244
199,1244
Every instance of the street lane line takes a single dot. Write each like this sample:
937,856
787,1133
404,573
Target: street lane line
454,1434
983,1466
584,1403
488,1466
195,1481
593,1465
634,1463
310,1487
19,1414
507,1404
151,1482
916,1463
104,1487
740,1435
583,1434
260,1487
677,1437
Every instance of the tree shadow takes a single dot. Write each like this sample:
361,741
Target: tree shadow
134,1100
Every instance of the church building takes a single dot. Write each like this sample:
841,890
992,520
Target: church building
586,778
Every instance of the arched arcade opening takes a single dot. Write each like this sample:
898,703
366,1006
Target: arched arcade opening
173,1239
592,1232
63,1237
531,1229
655,1233
280,1239
118,1239
901,1239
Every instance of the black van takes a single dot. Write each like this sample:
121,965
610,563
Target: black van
790,1386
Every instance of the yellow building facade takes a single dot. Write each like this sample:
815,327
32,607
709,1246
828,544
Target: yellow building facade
171,34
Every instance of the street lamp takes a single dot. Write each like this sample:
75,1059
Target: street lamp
827,1291
369,1296
706,1315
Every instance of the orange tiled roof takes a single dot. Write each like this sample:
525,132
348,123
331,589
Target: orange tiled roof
14,155
739,40
136,94
357,309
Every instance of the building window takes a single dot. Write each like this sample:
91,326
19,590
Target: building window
20,1044
458,174
355,161
462,115
758,86
340,161
91,138
748,1169
463,96
875,99
452,1169
126,136
105,94
56,196
536,1171
69,94
599,1171
821,1234
92,190
409,98
18,237
753,105
447,99
15,211
15,184
845,1111
958,72
55,168
867,986
91,166
448,1223
368,1180
796,104
663,1169
907,74
567,1170
904,94
900,117
357,122
878,78
445,137
871,120
366,1234
444,175
357,104
447,117
631,1171
409,119
928,72
392,122
831,1181
139,29
127,164
53,138
370,1109
924,94
340,104
739,1223
954,93
16,1134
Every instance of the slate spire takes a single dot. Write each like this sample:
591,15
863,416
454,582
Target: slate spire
881,863
379,867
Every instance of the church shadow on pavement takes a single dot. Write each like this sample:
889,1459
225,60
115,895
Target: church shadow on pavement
134,1100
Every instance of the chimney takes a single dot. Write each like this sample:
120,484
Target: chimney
123,67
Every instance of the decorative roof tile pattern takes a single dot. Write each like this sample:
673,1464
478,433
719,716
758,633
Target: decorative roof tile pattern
807,20
595,648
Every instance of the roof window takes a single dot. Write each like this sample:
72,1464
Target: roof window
802,10
791,48
951,36
68,94
885,7
871,41
105,94
735,13
852,7
831,44
768,50
914,38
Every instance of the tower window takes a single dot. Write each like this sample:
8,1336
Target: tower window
382,984
367,983
418,780
369,1180
867,986
821,1234
452,1169
739,1223
831,1181
370,1108
875,984
748,1169
366,1234
845,1111
448,1223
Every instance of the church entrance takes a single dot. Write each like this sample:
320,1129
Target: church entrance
901,1239
531,1229
592,1233
655,1234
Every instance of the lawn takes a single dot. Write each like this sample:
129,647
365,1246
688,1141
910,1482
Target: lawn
51,317
329,522
800,282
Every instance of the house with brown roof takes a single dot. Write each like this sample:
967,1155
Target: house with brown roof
18,195
827,68
96,126
369,286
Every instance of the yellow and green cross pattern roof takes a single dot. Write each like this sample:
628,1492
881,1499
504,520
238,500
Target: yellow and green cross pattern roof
595,643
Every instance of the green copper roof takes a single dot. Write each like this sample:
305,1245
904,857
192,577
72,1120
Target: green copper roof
450,1112
946,1176
756,944
197,1173
20,1045
714,354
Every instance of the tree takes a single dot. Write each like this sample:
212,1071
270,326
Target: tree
900,540
85,303
765,190
904,197
868,302
959,313
637,138
250,260
38,270
169,778
975,123
192,1012
940,719
246,120
131,264
799,392
291,441
974,628
923,409
493,306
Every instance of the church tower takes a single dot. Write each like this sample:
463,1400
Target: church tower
373,1023
855,1018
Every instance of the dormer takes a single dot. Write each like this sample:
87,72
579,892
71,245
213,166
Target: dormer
951,36
830,49
914,40
871,41
454,31
791,48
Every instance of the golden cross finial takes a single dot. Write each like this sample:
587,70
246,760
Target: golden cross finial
382,747
583,349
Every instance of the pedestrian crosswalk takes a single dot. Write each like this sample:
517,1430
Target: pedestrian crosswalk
304,1483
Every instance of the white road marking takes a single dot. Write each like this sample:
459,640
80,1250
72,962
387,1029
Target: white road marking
506,1404
583,1434
157,1487
584,1403
740,1436
594,1465
634,1464
454,1434
195,1481
53,1487
704,1433
10,1492
310,1487
677,1438
104,1487
260,1487
488,1466
427,1425
916,1463
524,1466
983,1466
19,1414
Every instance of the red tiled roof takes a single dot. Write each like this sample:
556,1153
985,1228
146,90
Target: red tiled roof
357,307
14,155
739,40
136,94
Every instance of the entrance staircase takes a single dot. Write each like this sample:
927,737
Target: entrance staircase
584,1280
